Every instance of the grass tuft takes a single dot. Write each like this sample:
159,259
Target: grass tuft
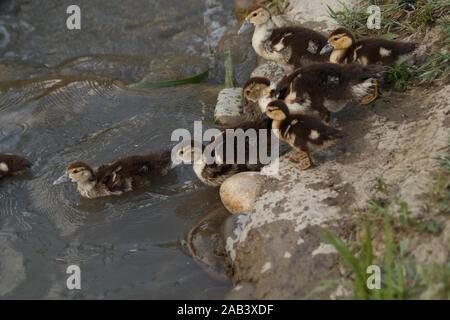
398,78
401,276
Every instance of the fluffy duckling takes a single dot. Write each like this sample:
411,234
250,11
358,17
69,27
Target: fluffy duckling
256,93
211,168
11,164
345,48
291,47
304,133
323,88
118,176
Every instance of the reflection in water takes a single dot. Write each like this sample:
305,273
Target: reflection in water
130,246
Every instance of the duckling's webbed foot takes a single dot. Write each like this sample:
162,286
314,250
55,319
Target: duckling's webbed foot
368,99
305,164
304,159
299,156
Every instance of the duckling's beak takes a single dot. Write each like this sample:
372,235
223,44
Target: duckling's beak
328,48
174,160
244,27
63,178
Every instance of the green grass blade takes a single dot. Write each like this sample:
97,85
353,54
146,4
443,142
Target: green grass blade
156,84
349,258
229,71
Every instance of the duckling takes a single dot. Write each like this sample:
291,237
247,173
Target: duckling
304,133
118,176
11,164
211,168
291,47
345,48
256,93
323,88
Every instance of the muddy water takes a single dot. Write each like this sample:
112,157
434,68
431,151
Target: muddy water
62,99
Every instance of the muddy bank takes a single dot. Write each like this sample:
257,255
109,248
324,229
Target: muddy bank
397,138
274,248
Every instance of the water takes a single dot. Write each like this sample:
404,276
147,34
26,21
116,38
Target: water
62,99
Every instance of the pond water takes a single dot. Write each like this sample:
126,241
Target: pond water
62,99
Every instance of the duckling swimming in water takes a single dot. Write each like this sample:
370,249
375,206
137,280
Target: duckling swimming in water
11,164
304,133
345,48
291,47
213,168
118,176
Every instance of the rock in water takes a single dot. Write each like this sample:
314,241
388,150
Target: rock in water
205,244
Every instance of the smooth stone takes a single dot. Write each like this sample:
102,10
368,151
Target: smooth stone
229,107
240,192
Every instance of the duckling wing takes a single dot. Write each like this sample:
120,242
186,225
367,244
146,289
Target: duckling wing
383,51
135,170
300,40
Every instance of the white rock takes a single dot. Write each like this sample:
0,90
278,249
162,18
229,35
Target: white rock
239,192
229,106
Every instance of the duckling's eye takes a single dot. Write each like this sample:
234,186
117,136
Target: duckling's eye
336,39
247,92
75,171
255,14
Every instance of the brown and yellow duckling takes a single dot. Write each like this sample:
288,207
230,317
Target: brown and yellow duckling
213,168
118,176
291,47
317,89
11,164
256,91
345,48
327,87
304,133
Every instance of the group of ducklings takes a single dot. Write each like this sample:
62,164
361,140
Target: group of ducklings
324,74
